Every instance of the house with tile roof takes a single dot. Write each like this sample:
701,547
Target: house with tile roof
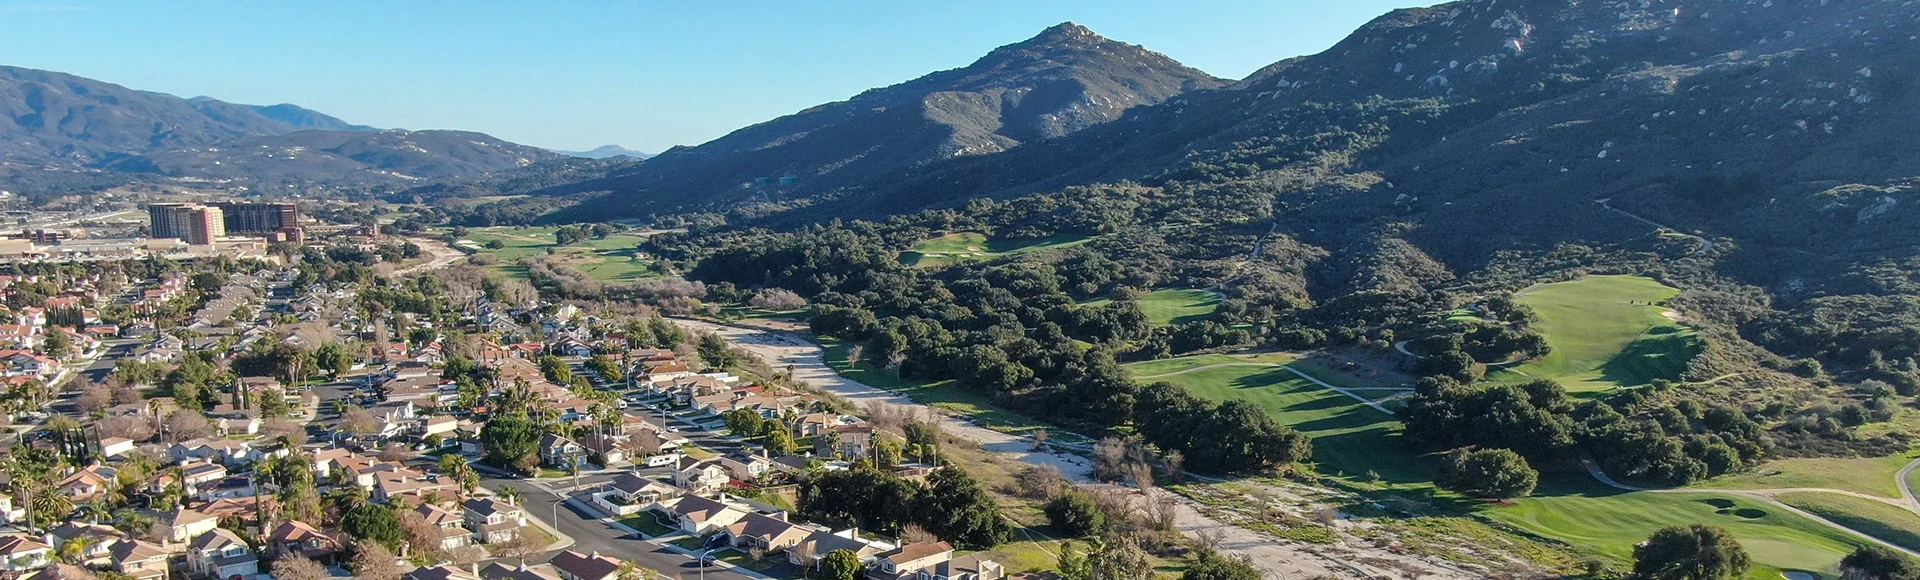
577,566
139,559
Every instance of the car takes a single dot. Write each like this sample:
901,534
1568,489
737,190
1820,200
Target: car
708,560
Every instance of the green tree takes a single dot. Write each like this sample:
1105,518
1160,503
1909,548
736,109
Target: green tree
508,439
779,439
840,565
1075,514
1212,566
715,351
57,344
745,422
605,367
957,508
1692,552
1878,563
556,370
1488,473
333,359
374,522
1072,564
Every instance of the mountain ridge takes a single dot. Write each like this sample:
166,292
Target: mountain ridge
1061,81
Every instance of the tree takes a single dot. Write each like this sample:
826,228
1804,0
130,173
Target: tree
1212,566
555,370
1488,473
333,359
1119,558
1076,514
1692,552
777,300
519,547
840,565
374,523
298,567
745,422
424,537
93,397
957,508
506,441
187,424
715,351
358,421
1072,564
57,344
373,561
1878,563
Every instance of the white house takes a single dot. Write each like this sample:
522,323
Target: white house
221,554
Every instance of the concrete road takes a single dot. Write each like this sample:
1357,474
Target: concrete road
591,535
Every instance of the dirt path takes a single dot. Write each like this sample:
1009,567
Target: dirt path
1278,558
1766,496
443,256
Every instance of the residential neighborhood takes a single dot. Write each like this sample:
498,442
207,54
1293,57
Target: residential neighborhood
230,420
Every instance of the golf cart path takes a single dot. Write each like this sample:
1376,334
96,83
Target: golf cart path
1766,496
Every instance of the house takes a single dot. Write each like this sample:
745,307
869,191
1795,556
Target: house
115,446
183,524
297,537
237,426
570,346
220,554
771,533
453,533
932,561
24,363
577,566
818,545
499,571
444,573
629,493
852,441
814,424
698,515
21,553
493,520
407,484
201,473
699,476
86,484
139,559
95,539
746,467
557,451
441,425
225,451
905,562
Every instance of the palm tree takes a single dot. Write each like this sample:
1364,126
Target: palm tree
74,551
510,494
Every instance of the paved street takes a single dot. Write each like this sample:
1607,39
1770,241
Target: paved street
592,535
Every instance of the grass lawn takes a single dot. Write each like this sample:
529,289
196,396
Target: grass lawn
1888,522
696,452
947,395
1173,306
608,260
1153,368
774,565
1608,523
691,543
648,524
1871,475
1349,439
961,246
1605,331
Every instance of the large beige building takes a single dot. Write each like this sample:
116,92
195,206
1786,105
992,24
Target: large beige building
194,224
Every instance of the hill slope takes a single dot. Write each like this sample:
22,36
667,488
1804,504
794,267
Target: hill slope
1062,81
342,156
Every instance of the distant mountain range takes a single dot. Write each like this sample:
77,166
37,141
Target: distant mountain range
605,152
65,129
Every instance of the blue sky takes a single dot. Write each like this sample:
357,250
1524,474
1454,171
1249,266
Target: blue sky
645,74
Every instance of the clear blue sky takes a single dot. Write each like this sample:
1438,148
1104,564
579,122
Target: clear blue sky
644,74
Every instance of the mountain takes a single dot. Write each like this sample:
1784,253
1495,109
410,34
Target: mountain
66,129
1062,81
606,151
1779,124
61,118
303,118
395,156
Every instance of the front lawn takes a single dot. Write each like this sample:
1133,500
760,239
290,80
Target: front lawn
648,524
